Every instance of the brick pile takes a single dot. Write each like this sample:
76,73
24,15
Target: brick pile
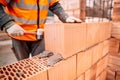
84,47
113,71
116,11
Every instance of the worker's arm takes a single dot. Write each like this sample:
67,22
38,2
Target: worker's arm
4,18
59,11
8,24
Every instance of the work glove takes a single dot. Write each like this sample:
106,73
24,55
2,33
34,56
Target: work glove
15,30
72,19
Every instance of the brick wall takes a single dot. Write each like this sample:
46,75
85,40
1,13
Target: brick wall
85,54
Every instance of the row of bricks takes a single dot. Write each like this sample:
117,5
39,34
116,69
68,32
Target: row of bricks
116,18
114,61
114,46
116,29
69,69
113,67
69,39
92,55
92,75
116,9
84,61
111,75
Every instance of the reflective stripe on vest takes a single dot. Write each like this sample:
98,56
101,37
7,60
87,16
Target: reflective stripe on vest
24,21
22,5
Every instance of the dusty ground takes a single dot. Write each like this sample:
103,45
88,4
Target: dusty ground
6,54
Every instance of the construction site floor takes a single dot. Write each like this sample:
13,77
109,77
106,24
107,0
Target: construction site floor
6,54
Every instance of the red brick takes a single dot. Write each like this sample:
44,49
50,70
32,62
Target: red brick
41,76
84,61
82,77
64,70
105,30
90,74
114,45
106,47
118,75
115,60
116,10
115,17
115,30
110,74
66,39
114,67
102,76
101,65
93,33
97,52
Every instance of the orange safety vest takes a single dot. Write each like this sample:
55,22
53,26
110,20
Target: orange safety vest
25,13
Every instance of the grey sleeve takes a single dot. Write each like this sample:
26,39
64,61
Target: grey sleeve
4,18
59,11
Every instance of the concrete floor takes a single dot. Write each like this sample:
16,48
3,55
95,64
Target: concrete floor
6,54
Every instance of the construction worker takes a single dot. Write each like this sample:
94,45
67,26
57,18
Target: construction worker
21,19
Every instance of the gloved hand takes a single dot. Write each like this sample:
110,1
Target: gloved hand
72,19
15,30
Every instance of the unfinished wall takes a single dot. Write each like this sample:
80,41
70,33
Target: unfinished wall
84,47
86,44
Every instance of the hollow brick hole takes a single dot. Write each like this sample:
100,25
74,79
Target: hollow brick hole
2,76
10,78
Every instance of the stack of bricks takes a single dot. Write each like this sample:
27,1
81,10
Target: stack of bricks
84,48
116,11
113,72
